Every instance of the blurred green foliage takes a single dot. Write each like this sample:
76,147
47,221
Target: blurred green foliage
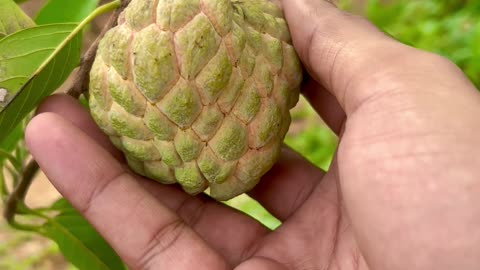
312,138
448,27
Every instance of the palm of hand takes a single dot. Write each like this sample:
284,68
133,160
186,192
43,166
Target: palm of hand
151,224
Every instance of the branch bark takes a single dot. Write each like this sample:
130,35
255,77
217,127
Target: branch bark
20,191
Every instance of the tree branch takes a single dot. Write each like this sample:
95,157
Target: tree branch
20,191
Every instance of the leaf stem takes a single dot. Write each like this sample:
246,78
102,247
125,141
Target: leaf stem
3,185
13,173
23,227
16,164
97,12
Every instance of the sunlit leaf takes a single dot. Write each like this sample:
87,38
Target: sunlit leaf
12,139
64,11
12,18
33,63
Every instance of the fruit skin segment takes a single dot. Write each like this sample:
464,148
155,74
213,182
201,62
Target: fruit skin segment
197,92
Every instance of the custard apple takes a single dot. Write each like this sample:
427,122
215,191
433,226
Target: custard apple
197,92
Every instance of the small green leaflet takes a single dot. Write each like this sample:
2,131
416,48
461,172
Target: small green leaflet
11,141
78,241
33,63
12,18
62,11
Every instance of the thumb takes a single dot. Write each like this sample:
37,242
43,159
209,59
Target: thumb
341,51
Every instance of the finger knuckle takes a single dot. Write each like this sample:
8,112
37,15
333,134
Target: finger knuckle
162,240
191,210
105,183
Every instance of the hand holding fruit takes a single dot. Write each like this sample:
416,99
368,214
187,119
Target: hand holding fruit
402,192
197,92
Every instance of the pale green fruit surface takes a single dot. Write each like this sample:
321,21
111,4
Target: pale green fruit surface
197,92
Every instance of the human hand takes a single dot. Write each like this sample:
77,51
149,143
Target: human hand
402,192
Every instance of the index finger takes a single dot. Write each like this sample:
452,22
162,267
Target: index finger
144,232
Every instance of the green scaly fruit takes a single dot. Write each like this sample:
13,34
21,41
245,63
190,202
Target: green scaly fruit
197,92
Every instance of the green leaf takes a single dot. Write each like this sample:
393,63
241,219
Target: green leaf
12,18
12,139
13,160
78,241
23,53
61,205
33,63
51,52
61,11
